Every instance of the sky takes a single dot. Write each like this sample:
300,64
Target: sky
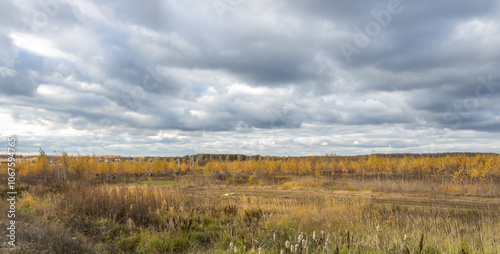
280,77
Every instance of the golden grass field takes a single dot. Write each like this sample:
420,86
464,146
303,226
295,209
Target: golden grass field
193,212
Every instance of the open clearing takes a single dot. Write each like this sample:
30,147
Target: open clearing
424,199
275,191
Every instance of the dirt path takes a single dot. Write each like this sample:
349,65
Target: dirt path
414,199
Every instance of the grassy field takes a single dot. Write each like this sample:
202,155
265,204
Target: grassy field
193,212
305,215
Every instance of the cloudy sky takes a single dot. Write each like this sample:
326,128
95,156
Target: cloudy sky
270,77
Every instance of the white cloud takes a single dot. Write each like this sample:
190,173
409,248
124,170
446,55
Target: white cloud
266,78
40,46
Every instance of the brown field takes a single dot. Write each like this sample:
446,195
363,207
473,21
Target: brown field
308,205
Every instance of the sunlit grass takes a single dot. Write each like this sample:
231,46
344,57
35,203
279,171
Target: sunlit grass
149,218
269,205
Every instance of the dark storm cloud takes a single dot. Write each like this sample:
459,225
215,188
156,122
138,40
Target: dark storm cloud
252,75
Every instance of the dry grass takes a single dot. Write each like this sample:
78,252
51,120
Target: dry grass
418,186
331,204
185,217
39,237
304,182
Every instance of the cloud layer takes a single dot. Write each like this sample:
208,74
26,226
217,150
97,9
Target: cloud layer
255,77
